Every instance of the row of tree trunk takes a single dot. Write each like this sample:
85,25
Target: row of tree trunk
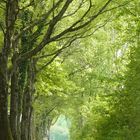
15,119
16,81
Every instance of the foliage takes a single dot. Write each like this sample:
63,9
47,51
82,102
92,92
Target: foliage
77,58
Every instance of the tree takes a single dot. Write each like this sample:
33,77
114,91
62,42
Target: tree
43,27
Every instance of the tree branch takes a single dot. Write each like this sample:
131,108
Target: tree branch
80,5
46,40
28,5
44,17
56,54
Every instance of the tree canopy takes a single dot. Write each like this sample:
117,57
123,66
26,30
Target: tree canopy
74,61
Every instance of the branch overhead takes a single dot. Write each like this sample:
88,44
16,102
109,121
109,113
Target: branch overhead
76,26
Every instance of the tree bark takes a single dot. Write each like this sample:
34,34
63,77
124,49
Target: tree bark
14,99
27,105
5,133
10,18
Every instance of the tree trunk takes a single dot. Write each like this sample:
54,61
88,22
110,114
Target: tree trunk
33,134
27,105
10,18
5,133
25,124
21,88
14,100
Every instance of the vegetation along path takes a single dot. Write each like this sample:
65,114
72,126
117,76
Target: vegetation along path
70,69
